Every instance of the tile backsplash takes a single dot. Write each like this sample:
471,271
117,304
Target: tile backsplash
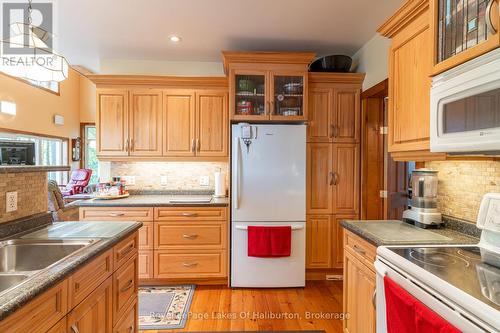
179,175
31,188
462,185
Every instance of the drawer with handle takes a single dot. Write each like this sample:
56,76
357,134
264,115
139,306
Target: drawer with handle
141,214
177,264
363,250
190,213
124,288
126,249
128,323
188,235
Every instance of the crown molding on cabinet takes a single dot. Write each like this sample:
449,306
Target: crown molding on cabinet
283,58
402,17
156,81
354,78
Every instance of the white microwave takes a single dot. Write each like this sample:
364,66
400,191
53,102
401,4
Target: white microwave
465,108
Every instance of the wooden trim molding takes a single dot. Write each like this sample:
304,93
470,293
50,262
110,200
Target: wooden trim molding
158,81
300,58
354,78
418,156
381,89
404,15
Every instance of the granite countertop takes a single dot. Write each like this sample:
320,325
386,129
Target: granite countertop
393,232
155,201
32,168
108,234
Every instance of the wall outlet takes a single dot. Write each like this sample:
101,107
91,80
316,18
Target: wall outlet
204,181
11,202
129,180
163,180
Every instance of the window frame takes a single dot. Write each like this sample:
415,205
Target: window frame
83,136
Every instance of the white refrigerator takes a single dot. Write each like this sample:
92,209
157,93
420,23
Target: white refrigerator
268,188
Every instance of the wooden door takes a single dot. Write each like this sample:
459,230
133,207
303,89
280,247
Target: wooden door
319,178
179,123
319,241
320,127
410,65
94,314
359,287
346,115
397,189
112,122
346,177
249,94
212,124
145,123
288,95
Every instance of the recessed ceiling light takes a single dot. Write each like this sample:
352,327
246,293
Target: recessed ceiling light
175,39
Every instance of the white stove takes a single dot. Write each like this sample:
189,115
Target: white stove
459,283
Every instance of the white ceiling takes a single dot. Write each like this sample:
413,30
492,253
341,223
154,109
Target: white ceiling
92,30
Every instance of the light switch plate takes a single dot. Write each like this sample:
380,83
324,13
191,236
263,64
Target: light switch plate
163,180
204,181
11,202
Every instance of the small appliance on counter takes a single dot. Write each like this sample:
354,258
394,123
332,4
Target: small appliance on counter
423,210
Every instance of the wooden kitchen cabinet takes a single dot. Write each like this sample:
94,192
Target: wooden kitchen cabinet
333,172
186,118
359,288
112,122
94,314
319,241
145,129
410,68
267,86
459,37
179,123
346,119
320,128
145,264
212,123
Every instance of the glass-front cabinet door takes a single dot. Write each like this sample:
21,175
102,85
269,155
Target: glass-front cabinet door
463,30
250,100
287,93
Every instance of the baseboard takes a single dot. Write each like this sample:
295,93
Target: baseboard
321,274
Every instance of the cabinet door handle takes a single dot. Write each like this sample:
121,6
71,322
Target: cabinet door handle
132,144
359,250
189,265
189,214
198,145
335,131
332,131
116,214
74,329
129,285
131,329
267,110
126,251
193,145
127,145
487,17
374,299
331,178
190,236
334,180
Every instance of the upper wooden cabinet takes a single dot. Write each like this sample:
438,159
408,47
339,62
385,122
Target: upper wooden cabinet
156,122
112,122
267,86
462,30
410,68
334,107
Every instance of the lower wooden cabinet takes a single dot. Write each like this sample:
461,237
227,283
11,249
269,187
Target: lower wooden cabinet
145,264
170,264
324,241
359,288
128,322
60,327
125,285
94,314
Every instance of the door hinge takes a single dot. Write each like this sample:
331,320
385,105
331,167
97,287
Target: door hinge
383,130
383,194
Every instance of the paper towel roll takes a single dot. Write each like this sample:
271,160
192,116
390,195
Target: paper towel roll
220,184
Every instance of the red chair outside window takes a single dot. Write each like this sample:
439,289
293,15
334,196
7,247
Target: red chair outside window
80,178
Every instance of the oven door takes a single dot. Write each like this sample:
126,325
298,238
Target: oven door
432,300
465,108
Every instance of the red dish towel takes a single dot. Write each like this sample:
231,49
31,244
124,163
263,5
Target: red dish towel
269,242
406,314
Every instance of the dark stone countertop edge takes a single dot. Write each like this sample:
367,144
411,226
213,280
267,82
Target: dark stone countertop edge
32,168
43,281
117,204
456,237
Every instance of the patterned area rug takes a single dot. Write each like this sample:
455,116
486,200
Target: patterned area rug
164,307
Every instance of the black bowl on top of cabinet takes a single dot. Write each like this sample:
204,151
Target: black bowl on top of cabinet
333,63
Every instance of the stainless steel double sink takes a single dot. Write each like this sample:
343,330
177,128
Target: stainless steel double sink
21,259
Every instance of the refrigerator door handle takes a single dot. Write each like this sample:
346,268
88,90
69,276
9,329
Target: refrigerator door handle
236,194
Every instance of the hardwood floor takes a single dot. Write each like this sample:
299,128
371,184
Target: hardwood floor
315,307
